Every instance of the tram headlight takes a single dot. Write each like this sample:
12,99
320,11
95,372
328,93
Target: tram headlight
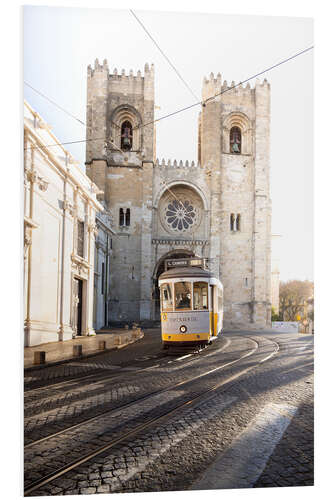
183,329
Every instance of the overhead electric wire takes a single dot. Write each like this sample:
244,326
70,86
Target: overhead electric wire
54,103
72,116
164,55
202,103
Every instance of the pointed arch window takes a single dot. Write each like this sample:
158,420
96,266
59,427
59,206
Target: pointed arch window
235,140
126,136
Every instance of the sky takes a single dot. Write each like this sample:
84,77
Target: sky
59,44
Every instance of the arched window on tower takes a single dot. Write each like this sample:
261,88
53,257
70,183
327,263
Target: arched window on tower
128,217
232,221
235,222
235,140
126,136
238,222
121,217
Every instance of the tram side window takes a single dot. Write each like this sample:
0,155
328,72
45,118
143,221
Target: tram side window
200,295
166,297
182,295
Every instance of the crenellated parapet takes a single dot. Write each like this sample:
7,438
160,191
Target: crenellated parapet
99,69
213,86
174,164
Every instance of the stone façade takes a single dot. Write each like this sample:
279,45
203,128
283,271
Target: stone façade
221,183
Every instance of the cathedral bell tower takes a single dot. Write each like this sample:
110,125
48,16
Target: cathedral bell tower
234,150
120,154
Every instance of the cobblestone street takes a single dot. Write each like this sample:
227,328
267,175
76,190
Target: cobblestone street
237,415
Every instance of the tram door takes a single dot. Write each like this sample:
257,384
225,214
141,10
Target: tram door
212,309
77,295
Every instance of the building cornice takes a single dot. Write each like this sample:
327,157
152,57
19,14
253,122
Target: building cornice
64,169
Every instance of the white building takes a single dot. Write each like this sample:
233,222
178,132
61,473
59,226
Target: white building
103,253
60,206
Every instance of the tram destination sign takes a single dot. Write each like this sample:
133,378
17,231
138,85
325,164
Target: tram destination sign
191,262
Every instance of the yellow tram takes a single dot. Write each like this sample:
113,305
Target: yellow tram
191,303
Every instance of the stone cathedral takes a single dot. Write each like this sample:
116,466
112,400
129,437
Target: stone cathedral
218,208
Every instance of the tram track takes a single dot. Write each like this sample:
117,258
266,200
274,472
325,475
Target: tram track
126,405
78,379
188,402
95,373
93,404
112,378
93,376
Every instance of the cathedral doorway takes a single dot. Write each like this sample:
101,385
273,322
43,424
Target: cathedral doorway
159,269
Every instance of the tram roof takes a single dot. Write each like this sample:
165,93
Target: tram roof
186,272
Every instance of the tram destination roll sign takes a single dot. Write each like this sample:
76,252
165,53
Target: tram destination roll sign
169,263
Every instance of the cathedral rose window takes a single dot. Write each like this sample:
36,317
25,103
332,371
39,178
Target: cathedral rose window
180,215
180,211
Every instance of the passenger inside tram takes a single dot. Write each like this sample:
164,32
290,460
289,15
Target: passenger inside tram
184,302
183,296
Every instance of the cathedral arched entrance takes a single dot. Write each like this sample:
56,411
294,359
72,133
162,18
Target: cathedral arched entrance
182,253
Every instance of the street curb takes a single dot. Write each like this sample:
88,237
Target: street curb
50,364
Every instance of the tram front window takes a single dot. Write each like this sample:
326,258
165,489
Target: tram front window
166,297
182,295
200,295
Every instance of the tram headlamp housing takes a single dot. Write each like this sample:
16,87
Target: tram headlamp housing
183,329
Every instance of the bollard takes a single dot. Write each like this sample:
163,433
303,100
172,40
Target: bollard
77,350
102,345
39,357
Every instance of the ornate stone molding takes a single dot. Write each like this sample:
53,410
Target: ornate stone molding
42,184
69,207
165,241
92,228
27,241
33,177
29,224
80,263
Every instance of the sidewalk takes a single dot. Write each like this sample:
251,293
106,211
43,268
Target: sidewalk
105,339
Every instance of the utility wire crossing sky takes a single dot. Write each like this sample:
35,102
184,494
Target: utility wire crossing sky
203,103
55,39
